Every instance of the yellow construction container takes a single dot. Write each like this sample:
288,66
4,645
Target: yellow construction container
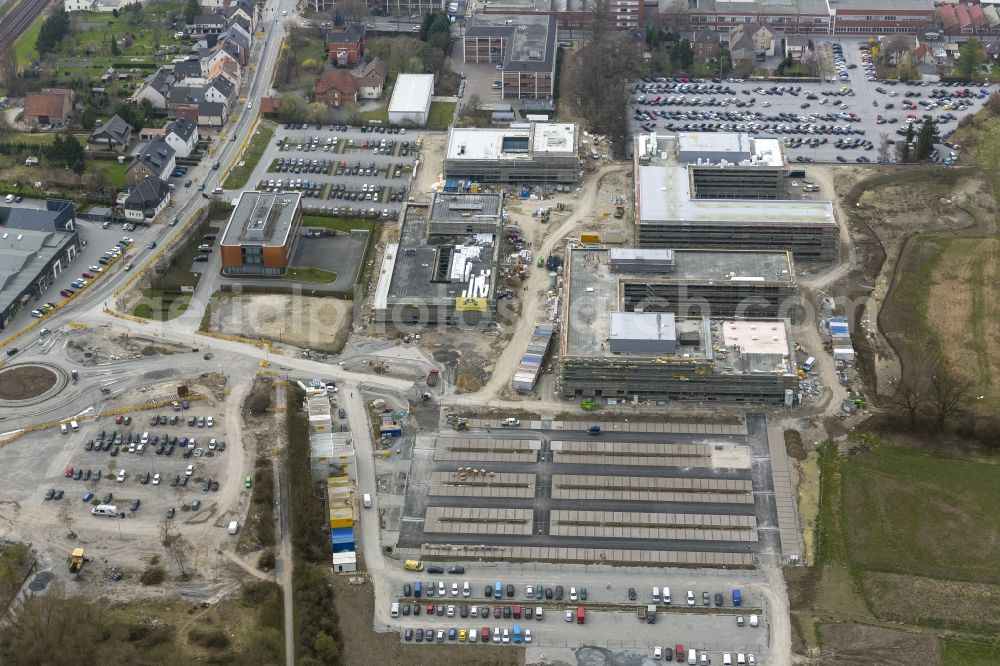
342,517
590,238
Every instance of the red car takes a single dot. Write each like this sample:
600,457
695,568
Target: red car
430,609
679,652
119,419
496,611
69,472
66,293
485,633
89,276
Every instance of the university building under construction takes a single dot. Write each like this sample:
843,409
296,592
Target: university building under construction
724,191
612,346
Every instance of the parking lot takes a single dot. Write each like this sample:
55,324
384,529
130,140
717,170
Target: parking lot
172,469
685,497
695,618
341,170
841,120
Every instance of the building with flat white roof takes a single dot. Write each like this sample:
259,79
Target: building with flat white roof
521,153
411,99
715,202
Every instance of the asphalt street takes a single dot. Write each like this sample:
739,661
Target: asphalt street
863,99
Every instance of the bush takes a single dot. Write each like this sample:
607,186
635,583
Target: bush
215,639
152,576
266,561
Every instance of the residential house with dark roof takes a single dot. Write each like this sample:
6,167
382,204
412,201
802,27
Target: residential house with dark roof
48,106
112,135
749,42
208,24
526,47
222,91
146,200
155,88
236,36
372,79
211,114
182,135
706,45
336,87
797,47
185,96
189,72
246,9
156,160
345,45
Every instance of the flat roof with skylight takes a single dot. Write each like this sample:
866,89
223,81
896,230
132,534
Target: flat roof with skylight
262,218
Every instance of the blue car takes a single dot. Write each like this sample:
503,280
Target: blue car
88,496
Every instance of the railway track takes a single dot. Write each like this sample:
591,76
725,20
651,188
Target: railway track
18,19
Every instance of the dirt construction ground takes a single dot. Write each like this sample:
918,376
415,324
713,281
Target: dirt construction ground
38,461
307,322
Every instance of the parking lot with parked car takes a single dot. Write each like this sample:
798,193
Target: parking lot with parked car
341,170
844,119
148,464
459,608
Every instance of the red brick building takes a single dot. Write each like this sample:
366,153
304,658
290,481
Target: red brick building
336,87
345,45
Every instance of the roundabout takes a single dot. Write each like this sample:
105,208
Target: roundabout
30,383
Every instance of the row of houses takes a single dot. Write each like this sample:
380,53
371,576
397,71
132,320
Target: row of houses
204,87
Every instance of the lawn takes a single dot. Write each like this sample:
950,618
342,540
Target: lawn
239,174
909,512
24,47
310,274
381,113
958,652
161,305
344,224
114,172
440,115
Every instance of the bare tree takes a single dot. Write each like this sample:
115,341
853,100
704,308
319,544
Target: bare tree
884,146
912,393
949,390
176,546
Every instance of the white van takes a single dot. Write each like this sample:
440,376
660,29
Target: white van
538,613
666,596
63,429
74,426
692,657
741,659
753,621
466,590
394,609
234,527
145,438
366,499
727,659
656,595
105,510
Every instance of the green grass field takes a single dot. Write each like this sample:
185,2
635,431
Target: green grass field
238,176
310,274
440,115
114,172
24,47
912,513
161,306
958,652
339,223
